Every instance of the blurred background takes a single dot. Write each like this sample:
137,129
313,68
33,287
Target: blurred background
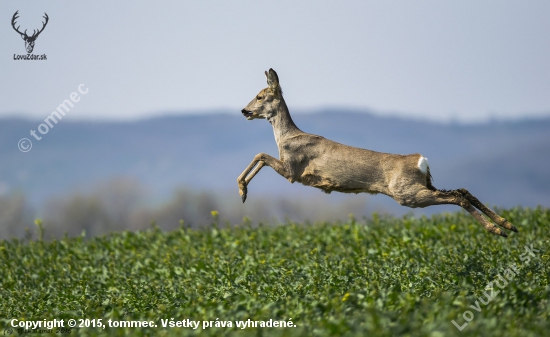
159,135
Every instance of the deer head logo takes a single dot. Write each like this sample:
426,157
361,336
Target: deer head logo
29,40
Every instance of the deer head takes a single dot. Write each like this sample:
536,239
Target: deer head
262,106
29,40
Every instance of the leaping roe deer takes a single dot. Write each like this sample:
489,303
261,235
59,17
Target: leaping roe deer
330,166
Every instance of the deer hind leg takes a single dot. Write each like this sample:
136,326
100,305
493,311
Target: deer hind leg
428,197
492,215
259,161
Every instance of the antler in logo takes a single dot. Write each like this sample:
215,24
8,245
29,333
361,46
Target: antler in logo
29,40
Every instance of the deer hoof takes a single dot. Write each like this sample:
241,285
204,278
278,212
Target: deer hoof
502,233
243,192
510,226
495,230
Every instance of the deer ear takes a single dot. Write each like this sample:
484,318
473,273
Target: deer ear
272,79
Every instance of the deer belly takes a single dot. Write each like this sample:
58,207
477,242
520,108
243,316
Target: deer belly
339,183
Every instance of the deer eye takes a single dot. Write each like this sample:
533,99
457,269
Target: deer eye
259,98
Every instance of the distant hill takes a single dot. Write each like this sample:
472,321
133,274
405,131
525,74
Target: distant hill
503,163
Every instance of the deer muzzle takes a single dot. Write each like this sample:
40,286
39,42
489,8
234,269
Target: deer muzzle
247,113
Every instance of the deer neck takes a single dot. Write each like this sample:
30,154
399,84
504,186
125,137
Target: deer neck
283,125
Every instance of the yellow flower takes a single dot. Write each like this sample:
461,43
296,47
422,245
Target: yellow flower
345,298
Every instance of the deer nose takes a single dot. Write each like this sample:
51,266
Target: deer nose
246,113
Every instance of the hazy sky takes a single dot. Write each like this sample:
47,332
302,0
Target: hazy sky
444,60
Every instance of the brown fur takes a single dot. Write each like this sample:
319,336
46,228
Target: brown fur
330,166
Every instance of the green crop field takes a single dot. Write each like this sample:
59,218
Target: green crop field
381,276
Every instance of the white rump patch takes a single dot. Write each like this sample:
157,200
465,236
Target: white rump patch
423,164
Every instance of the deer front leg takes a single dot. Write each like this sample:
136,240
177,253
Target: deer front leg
259,161
243,182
